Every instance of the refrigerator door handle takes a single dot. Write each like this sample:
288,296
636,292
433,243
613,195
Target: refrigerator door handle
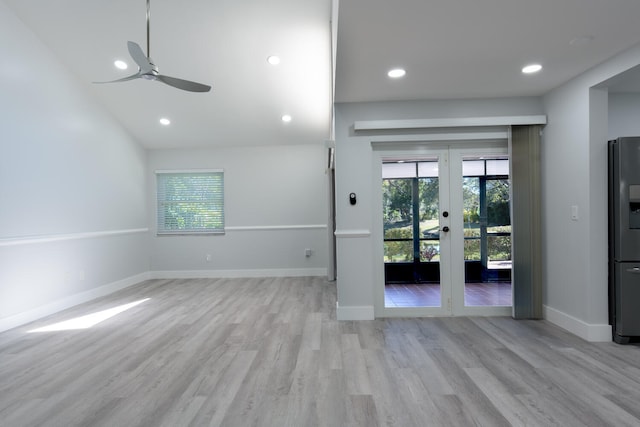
635,270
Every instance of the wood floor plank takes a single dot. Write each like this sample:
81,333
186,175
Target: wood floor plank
426,369
354,366
476,404
391,407
502,398
362,412
312,332
331,405
626,402
606,377
269,352
330,338
589,401
518,338
420,405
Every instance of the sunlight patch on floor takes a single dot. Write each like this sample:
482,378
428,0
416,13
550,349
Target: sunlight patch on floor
89,320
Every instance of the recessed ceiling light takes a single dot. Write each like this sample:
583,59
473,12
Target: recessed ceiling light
273,60
165,122
120,64
286,118
396,73
532,68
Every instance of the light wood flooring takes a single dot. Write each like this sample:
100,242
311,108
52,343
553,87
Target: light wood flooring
269,352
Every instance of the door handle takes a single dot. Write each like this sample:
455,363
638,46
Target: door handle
445,229
635,270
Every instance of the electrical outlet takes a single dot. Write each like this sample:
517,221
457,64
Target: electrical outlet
208,257
308,252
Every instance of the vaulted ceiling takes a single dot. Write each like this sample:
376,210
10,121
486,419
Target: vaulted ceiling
449,48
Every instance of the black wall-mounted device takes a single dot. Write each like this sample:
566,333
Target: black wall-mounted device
352,198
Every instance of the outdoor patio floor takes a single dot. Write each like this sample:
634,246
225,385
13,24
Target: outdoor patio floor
428,294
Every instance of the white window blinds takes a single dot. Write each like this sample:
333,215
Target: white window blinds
190,202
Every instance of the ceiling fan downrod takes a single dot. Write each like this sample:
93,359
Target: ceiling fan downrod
148,29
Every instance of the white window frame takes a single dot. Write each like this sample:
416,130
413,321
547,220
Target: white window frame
218,198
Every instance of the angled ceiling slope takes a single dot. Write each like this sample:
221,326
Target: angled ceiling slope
225,44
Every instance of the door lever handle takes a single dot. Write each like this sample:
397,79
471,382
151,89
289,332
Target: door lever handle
635,270
445,229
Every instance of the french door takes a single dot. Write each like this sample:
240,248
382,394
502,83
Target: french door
443,232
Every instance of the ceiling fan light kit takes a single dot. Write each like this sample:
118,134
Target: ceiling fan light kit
149,71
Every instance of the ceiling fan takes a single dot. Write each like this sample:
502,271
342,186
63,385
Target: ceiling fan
149,71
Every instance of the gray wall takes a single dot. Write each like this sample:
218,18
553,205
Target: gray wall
624,114
72,186
355,262
574,163
275,208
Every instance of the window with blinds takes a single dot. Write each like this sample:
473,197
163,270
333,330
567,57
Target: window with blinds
190,202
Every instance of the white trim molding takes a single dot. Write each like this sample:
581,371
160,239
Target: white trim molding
23,318
586,331
47,238
276,227
353,312
233,274
164,171
397,140
449,122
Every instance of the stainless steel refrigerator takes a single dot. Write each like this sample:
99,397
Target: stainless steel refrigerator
624,238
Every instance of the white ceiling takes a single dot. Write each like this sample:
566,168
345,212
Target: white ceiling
475,48
450,48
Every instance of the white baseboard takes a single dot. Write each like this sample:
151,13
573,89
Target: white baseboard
70,301
360,312
232,274
586,331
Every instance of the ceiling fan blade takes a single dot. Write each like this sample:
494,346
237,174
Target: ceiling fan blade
183,84
124,79
148,70
139,57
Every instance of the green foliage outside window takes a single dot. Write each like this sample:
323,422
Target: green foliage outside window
398,218
401,251
498,202
191,202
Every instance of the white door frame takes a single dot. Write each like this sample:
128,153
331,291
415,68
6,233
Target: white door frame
450,156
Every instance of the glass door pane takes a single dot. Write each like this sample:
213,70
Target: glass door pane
487,232
398,220
429,219
410,198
